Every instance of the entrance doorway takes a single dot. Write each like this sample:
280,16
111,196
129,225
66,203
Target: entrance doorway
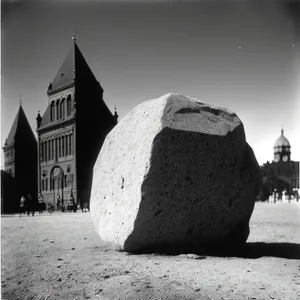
57,182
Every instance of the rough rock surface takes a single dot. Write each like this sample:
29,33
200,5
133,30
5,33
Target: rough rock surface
175,175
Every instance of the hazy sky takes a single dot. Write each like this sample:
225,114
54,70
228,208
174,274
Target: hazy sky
243,55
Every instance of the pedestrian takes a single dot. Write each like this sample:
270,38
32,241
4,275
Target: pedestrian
31,205
72,202
40,203
57,202
22,206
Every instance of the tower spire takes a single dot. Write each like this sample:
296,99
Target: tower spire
281,129
20,99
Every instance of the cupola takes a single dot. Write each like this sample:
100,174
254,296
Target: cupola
282,149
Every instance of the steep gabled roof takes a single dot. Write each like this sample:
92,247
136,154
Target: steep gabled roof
73,68
46,117
20,127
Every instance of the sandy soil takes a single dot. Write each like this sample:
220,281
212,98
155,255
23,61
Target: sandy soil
61,257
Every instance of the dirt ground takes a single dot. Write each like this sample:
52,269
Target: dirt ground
61,257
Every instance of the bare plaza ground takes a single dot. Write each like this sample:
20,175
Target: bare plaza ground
61,257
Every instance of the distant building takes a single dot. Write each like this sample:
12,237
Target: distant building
19,177
71,132
282,173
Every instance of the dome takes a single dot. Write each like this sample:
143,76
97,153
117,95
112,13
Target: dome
282,141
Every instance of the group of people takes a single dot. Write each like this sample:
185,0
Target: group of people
283,196
60,205
29,205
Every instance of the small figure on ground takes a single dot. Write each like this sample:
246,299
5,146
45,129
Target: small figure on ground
30,205
57,202
40,203
22,206
72,206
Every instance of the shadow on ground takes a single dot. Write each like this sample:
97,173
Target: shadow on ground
260,249
249,250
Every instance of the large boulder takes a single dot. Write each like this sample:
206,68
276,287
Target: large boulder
175,175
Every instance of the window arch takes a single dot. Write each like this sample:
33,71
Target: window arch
57,110
69,105
62,108
52,111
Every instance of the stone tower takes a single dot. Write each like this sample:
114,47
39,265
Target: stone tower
71,131
20,163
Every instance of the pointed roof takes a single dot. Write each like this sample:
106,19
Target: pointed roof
20,126
73,68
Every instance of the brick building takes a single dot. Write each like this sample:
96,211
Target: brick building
71,131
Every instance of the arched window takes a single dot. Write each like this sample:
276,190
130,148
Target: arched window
69,105
52,111
57,110
62,108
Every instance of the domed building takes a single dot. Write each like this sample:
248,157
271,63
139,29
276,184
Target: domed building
282,173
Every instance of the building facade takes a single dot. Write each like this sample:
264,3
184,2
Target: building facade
19,177
71,132
282,174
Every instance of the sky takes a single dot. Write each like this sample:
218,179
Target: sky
239,54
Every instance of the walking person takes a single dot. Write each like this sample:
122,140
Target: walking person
57,202
22,206
30,205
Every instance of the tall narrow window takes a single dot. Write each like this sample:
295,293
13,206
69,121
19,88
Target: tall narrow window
57,110
72,143
56,148
47,151
50,149
46,184
67,145
52,144
59,147
42,152
63,146
52,111
62,108
69,105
